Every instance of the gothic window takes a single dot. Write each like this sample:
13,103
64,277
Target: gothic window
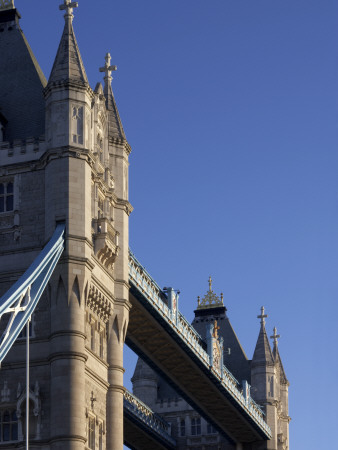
101,350
77,125
9,426
100,436
91,433
210,429
271,393
6,196
182,427
92,336
196,426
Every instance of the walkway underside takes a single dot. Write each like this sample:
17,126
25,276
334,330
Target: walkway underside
150,337
138,437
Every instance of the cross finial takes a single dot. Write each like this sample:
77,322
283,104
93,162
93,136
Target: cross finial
275,336
216,328
92,400
210,284
107,68
262,316
68,6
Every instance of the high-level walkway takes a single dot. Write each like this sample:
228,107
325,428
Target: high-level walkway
144,429
168,343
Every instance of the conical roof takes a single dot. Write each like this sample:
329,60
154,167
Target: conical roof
22,102
262,353
277,357
115,128
143,372
68,65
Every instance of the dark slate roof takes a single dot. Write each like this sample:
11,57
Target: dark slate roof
21,82
235,358
143,372
262,353
68,65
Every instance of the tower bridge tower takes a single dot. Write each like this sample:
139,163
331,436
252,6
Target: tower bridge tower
64,158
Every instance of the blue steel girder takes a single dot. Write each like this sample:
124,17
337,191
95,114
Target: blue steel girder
19,302
152,324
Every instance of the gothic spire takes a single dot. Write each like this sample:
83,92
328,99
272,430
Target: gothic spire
115,124
262,353
68,65
277,357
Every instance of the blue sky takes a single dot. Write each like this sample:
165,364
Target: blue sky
231,109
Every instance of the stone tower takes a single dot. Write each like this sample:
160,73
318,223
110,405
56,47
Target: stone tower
270,387
64,158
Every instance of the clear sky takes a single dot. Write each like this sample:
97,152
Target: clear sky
231,109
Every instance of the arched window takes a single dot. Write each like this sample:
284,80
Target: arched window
91,433
182,427
6,196
210,429
196,426
100,436
9,426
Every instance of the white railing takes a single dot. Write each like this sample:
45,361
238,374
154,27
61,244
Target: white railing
152,420
144,283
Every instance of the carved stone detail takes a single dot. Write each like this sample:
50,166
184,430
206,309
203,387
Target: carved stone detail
105,242
99,304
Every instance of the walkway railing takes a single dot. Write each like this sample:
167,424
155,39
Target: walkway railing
144,283
148,417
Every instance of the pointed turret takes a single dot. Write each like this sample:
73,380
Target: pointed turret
68,65
21,80
115,128
277,357
283,407
262,353
68,93
264,381
212,308
145,383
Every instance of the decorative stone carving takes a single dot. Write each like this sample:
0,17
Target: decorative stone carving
98,303
34,397
105,242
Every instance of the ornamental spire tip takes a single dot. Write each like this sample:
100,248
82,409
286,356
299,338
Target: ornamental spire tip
68,6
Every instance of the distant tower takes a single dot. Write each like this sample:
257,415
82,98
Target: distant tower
270,388
145,383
